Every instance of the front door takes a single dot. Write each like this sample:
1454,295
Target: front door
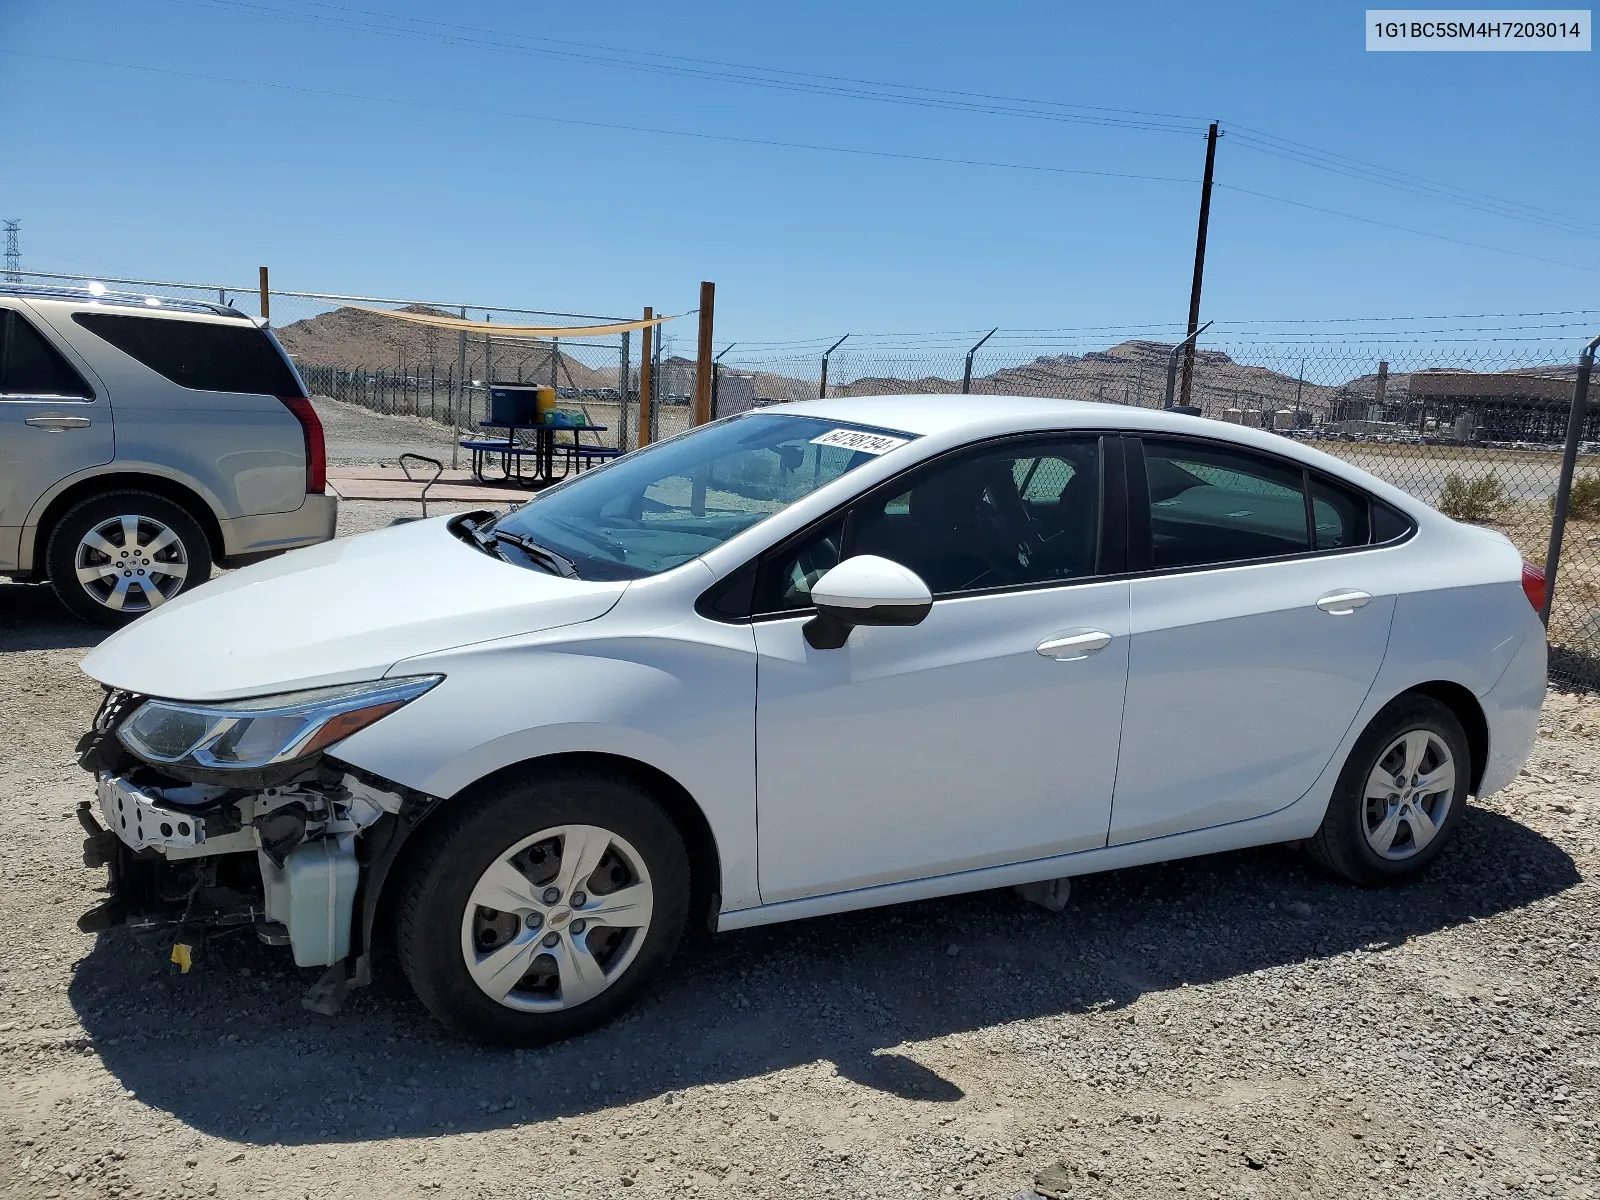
985,735
52,423
1256,636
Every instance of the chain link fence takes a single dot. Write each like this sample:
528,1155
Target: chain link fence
1475,430
1469,420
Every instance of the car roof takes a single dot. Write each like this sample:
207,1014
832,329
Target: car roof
940,413
952,419
79,299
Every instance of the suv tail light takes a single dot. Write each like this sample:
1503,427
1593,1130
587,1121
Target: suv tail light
316,447
1533,586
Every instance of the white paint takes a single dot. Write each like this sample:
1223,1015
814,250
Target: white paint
960,753
867,581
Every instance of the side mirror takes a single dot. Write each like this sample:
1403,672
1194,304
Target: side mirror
864,590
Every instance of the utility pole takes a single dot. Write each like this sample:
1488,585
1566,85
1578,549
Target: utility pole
645,382
13,252
703,386
266,298
1199,262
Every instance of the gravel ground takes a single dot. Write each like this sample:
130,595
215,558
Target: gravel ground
1237,1025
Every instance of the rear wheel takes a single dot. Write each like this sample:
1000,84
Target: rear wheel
115,557
542,909
1400,796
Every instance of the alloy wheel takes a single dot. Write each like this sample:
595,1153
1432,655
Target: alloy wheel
557,918
131,563
1408,794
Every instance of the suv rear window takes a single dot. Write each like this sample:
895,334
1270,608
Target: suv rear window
198,354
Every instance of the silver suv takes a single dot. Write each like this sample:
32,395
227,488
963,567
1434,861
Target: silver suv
142,441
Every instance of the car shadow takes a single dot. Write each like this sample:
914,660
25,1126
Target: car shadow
228,1050
31,618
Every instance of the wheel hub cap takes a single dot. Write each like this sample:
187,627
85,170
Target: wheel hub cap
131,563
557,918
1409,794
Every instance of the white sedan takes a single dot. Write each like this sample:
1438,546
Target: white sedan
809,659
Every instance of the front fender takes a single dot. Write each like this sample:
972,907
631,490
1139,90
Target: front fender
680,700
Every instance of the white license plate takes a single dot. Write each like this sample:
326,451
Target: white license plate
140,821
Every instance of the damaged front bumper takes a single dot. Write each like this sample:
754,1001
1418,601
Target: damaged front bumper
303,862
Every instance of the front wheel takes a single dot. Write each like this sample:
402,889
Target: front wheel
543,908
1400,796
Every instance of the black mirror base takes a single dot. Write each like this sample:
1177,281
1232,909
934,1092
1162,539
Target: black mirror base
825,632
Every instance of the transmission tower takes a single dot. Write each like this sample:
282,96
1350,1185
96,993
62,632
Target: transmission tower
13,252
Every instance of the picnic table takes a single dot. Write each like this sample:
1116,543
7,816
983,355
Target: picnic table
537,442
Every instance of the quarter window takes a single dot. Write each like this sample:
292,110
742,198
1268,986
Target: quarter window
1212,505
1388,524
1338,516
30,367
788,573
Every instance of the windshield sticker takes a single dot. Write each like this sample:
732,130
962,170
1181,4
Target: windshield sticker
856,439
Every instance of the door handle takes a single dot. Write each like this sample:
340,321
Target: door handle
1074,646
1342,604
57,422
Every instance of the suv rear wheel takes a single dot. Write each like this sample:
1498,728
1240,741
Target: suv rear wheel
117,556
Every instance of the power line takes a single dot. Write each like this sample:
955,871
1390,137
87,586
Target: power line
1332,212
1246,131
773,143
1427,189
848,87
956,339
802,82
612,125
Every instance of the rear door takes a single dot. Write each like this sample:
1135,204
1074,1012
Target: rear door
53,422
199,395
1259,622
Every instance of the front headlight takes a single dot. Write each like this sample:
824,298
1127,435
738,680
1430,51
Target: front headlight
244,735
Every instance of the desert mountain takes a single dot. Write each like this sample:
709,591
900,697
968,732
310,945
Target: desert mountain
354,340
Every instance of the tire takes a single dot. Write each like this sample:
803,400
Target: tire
551,825
1362,815
169,556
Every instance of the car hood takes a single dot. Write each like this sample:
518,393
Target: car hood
342,612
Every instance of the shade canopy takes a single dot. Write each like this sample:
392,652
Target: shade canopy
462,325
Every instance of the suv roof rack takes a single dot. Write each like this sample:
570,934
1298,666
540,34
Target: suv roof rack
129,299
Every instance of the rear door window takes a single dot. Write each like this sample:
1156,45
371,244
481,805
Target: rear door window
31,368
199,354
1213,505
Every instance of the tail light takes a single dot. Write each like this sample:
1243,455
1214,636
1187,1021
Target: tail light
1533,586
316,446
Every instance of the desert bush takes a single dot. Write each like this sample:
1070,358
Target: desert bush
1475,500
1585,502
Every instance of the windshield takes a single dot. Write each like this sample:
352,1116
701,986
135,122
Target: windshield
650,511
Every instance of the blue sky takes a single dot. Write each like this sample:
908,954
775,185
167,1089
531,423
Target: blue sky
448,186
